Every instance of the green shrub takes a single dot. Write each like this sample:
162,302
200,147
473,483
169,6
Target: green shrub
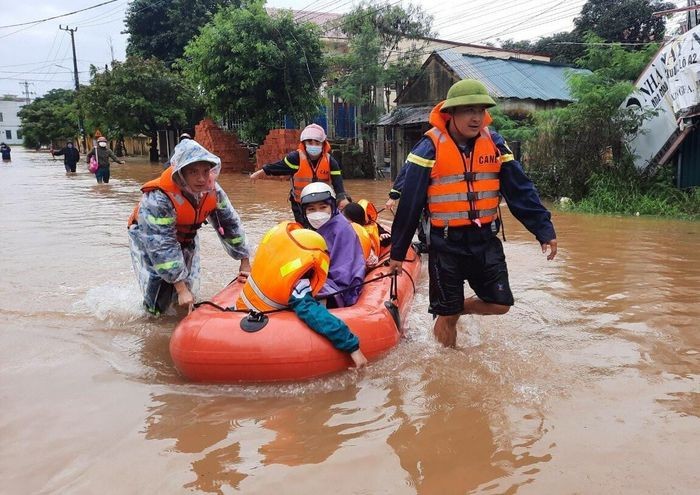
633,194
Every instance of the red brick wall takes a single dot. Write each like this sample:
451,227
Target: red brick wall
277,144
225,145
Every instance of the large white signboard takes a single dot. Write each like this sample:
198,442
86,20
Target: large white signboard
669,86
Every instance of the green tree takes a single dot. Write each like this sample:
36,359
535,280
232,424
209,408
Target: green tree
386,48
623,21
162,29
52,116
562,48
257,68
630,22
137,96
575,143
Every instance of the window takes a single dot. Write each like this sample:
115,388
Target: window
0,116
19,133
8,134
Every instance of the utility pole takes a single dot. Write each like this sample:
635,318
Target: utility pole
111,48
77,84
26,91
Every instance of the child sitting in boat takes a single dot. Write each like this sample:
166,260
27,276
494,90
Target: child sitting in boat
347,262
364,214
290,268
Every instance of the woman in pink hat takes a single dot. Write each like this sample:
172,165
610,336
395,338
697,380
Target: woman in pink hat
310,162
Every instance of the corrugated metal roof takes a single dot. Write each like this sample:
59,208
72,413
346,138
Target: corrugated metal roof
513,78
406,115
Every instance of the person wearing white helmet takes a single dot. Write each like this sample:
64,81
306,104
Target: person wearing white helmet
103,156
310,162
347,266
163,228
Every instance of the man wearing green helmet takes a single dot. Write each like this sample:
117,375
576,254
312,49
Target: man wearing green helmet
458,172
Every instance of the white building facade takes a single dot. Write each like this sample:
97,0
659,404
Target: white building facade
10,124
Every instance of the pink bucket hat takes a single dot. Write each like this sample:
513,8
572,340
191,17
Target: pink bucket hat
313,131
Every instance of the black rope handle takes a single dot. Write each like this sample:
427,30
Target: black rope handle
383,275
232,309
393,289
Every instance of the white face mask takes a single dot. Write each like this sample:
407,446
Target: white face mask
312,150
102,144
318,218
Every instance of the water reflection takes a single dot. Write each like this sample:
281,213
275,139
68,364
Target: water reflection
599,355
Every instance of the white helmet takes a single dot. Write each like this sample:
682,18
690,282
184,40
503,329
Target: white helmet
316,191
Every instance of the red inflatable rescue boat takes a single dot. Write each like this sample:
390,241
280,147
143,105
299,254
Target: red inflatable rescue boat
211,345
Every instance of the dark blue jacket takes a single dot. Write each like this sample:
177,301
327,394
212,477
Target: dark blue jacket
516,187
71,156
282,167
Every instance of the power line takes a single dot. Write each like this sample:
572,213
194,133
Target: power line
57,16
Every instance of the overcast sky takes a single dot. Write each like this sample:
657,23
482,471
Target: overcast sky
40,54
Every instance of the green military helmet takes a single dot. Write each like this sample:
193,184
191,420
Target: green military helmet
467,92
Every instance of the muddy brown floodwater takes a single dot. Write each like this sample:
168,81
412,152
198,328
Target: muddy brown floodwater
588,386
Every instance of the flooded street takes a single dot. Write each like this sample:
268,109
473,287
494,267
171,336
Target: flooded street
589,385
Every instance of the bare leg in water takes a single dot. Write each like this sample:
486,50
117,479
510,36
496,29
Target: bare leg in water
445,328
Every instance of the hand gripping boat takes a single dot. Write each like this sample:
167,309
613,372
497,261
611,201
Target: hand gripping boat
215,343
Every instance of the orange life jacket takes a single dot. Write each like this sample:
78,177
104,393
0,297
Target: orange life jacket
286,253
370,225
189,217
463,190
364,238
307,173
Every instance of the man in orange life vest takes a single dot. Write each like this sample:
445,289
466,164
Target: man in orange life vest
163,227
310,162
459,171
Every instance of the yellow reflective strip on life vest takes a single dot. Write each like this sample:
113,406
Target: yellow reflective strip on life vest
168,265
160,220
507,158
335,172
420,161
290,165
267,236
324,265
288,268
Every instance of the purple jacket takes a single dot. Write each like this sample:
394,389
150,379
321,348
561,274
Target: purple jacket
347,261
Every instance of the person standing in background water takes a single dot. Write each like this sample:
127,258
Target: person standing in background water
5,151
310,162
71,156
104,155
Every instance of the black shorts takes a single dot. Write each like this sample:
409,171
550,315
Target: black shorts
481,263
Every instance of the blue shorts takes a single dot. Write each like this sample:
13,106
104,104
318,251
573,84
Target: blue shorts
478,260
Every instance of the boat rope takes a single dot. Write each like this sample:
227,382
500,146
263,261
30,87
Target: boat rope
233,309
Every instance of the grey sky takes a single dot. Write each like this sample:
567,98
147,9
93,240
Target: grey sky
41,54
